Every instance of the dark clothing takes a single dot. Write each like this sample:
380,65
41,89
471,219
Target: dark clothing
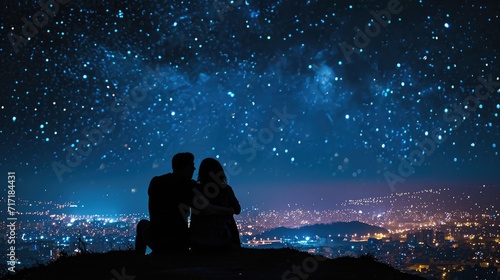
211,232
170,197
233,202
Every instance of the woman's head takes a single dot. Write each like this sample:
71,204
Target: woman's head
211,171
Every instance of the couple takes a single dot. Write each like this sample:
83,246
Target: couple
171,197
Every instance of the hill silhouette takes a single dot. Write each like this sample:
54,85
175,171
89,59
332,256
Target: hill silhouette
334,229
239,264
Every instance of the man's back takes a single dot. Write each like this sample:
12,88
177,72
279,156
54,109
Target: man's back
166,193
170,197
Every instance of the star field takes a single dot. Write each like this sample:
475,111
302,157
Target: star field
104,94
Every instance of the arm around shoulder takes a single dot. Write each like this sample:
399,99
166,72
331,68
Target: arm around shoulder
233,201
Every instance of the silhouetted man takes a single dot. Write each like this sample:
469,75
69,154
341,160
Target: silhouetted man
168,229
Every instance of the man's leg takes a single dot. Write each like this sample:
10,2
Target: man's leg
140,238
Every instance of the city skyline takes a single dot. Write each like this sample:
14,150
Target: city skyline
450,228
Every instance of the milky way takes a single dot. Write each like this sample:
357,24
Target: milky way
384,92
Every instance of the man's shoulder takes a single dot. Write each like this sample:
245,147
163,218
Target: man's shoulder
158,181
172,179
162,177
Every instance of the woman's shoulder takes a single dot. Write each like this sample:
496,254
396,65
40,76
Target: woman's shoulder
228,189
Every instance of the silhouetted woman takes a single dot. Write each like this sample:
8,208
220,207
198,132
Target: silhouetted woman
215,232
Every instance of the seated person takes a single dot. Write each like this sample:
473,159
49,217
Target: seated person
167,229
215,231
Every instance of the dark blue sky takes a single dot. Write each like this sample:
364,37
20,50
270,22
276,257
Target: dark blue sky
305,102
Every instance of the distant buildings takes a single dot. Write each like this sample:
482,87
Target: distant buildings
431,232
428,236
440,237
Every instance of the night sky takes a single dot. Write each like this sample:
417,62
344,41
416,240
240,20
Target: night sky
305,102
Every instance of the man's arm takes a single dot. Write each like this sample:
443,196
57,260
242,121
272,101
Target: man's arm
233,201
218,210
205,209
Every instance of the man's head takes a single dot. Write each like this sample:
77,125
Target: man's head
183,164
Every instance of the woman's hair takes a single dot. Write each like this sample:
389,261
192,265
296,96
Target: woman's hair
211,171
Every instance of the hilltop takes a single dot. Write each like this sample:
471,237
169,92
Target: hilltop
239,264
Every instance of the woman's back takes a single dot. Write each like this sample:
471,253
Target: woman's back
214,231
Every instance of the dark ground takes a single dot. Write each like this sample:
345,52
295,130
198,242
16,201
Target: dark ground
240,264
